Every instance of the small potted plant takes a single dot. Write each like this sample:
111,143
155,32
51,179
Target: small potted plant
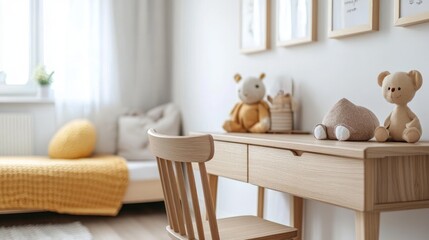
44,80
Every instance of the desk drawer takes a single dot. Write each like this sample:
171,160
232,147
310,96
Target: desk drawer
399,180
326,178
229,160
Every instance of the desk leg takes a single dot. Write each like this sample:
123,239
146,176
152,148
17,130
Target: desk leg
261,192
296,212
367,225
213,180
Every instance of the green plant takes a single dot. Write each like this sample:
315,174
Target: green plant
42,77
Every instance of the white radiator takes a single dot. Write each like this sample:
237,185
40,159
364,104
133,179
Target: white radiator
16,134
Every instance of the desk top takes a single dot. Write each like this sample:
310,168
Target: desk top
307,143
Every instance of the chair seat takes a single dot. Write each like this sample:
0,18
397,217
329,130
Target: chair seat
246,227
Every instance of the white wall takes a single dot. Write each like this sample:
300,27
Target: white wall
206,56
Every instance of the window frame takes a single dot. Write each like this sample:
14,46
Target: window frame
36,52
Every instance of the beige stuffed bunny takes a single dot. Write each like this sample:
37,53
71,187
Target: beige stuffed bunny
402,124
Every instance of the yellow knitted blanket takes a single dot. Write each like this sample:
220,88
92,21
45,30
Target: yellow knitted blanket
82,186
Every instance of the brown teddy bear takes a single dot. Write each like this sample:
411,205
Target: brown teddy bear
252,113
347,122
402,124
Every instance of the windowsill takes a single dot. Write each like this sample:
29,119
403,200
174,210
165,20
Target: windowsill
26,100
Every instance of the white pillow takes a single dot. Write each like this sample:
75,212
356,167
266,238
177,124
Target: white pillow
106,122
132,130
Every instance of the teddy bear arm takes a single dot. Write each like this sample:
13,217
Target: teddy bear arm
234,112
264,115
413,123
387,121
413,129
263,111
263,125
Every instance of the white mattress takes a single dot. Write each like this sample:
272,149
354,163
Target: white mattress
142,170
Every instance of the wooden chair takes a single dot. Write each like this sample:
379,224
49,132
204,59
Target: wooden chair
175,153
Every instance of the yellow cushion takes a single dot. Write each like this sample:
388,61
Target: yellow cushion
74,140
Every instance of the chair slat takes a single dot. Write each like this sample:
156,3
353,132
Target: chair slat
185,203
169,196
213,180
195,204
208,200
178,207
164,189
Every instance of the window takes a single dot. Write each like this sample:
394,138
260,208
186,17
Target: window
20,35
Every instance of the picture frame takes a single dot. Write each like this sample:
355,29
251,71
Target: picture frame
296,22
254,26
351,17
411,12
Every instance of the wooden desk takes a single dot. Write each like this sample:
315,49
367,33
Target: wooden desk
367,177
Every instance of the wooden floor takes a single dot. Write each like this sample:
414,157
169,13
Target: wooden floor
135,221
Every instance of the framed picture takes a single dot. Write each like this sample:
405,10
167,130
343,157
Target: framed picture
350,17
296,22
253,25
408,12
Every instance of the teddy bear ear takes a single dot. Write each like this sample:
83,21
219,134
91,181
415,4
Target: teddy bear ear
381,77
237,77
417,78
262,76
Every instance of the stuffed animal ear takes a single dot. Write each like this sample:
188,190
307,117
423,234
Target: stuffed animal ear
381,77
262,76
417,79
237,77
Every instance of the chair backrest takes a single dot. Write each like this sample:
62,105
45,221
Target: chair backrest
173,153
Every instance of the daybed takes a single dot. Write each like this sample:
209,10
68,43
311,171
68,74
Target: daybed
144,184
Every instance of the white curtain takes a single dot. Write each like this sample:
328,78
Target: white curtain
141,30
108,56
105,54
79,45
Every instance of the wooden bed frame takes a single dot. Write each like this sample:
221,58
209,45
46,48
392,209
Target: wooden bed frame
144,191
